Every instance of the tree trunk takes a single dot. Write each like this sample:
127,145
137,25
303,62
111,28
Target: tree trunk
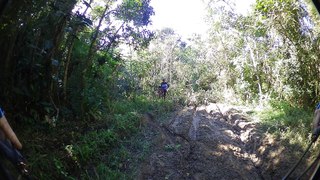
3,4
94,39
72,37
256,73
48,91
66,69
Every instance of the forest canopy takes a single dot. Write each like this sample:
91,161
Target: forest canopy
56,54
53,52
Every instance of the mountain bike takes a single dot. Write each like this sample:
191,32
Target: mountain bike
314,167
12,163
161,93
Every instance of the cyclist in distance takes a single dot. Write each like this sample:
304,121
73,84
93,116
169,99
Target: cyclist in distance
164,87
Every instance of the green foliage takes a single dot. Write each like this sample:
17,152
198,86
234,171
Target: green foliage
102,171
61,66
55,46
95,143
288,119
291,21
50,166
106,143
59,165
126,124
172,147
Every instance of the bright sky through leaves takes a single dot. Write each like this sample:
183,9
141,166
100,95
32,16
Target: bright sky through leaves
185,16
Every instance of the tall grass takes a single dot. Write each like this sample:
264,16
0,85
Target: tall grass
105,153
288,121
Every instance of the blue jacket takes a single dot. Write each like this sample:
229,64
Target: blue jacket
1,113
164,85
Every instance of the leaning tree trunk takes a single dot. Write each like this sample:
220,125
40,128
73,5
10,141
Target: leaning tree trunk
72,38
87,65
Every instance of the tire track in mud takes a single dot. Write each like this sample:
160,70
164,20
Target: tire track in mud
194,128
200,144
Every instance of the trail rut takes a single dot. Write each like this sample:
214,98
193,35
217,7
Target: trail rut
213,142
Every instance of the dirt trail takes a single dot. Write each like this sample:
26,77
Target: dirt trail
213,142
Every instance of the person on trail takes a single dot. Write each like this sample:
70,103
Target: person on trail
164,88
316,123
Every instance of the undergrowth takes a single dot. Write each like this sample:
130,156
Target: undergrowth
288,121
114,146
106,153
108,148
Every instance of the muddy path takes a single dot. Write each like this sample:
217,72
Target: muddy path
214,142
